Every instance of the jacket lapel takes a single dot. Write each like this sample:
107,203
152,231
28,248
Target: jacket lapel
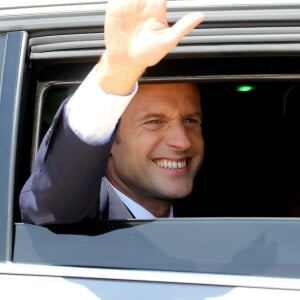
111,207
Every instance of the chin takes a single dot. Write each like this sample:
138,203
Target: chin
169,189
176,194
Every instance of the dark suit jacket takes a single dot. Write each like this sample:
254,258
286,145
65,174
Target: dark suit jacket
65,184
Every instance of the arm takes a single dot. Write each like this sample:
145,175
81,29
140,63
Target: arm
64,186
65,183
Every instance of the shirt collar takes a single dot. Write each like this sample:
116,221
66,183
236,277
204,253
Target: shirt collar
138,211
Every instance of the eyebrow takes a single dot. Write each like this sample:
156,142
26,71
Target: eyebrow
195,114
151,115
163,116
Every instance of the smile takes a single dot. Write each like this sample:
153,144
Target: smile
171,164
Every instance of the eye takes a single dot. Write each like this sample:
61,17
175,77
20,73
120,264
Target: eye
153,124
192,121
153,121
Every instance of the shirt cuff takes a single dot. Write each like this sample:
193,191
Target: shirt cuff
92,114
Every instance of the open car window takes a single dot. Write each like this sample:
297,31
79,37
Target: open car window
248,125
242,203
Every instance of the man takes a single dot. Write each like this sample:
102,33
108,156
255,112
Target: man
138,167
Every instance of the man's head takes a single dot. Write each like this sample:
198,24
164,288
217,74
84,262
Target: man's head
159,145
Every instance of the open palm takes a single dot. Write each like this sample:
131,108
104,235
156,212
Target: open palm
137,30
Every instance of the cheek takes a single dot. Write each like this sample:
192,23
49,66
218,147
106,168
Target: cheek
141,147
149,140
130,148
136,143
197,140
201,142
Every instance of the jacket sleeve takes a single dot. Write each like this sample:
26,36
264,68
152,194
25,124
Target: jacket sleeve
65,183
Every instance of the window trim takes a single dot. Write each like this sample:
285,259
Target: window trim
11,86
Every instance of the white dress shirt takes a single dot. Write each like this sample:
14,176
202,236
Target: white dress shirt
92,114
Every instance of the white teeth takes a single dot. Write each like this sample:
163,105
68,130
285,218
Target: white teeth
168,164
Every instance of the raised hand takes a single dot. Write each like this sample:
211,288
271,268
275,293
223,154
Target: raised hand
137,36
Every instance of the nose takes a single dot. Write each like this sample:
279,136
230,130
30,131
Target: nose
177,137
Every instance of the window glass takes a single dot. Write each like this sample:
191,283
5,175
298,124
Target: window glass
50,103
265,247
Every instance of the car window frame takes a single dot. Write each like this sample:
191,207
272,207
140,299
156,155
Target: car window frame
11,92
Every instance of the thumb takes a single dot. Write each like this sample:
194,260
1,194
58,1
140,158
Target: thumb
185,25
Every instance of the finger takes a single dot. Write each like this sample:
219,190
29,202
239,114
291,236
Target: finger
185,25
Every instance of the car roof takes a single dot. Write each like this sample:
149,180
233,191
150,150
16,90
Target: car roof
31,3
36,3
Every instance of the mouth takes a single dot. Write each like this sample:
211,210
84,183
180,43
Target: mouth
171,164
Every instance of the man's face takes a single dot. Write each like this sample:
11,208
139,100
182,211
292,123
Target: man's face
159,146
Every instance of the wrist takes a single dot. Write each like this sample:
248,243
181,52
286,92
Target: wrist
117,78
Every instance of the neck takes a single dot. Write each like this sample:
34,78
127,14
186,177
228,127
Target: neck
160,208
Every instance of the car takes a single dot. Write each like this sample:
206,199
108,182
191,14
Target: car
237,234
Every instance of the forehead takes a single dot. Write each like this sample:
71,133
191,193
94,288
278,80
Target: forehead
184,87
179,95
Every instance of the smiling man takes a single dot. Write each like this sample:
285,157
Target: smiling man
159,146
118,149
